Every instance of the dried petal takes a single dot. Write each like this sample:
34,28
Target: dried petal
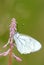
6,44
16,57
6,53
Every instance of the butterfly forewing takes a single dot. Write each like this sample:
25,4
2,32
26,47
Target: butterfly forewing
26,44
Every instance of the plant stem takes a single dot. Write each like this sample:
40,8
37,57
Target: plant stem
10,53
10,57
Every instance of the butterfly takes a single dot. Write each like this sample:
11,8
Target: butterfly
26,44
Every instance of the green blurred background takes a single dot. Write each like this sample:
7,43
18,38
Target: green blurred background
29,15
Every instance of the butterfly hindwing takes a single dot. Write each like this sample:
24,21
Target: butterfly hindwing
26,44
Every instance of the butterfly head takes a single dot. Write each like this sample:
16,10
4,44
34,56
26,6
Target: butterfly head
16,35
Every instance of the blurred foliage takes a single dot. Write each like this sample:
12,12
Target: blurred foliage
31,14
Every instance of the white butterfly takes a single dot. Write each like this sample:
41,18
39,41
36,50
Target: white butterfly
26,44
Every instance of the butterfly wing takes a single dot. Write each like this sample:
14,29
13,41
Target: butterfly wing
26,44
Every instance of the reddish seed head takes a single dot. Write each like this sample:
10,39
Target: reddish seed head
10,41
12,27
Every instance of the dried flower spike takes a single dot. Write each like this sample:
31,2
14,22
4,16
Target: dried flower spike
25,44
10,42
